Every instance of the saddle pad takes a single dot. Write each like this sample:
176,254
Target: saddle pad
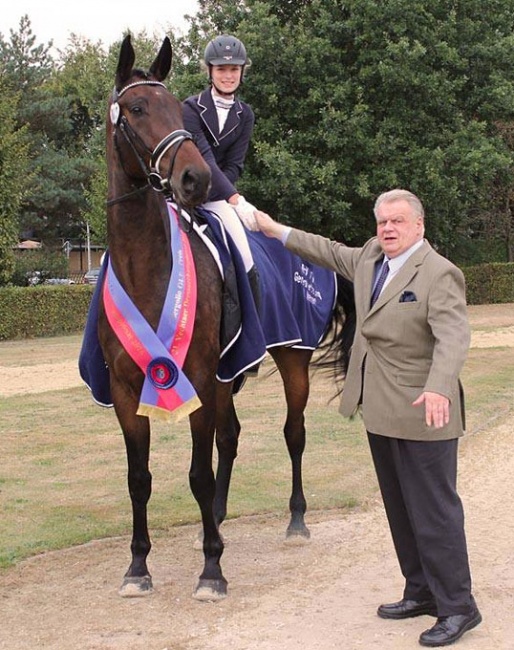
298,298
297,301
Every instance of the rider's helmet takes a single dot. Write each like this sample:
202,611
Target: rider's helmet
225,50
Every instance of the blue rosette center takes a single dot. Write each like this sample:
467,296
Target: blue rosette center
162,373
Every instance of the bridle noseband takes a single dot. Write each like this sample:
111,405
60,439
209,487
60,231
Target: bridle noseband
175,139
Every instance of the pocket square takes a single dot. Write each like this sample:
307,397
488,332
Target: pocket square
408,296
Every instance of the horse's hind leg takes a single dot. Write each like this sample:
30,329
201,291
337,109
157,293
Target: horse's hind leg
136,431
293,365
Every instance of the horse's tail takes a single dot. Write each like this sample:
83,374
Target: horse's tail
336,346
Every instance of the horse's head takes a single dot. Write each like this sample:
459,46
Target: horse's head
146,131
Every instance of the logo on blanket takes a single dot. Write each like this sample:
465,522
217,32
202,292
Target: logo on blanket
306,278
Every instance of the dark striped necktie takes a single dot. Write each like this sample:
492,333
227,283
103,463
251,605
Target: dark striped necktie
379,283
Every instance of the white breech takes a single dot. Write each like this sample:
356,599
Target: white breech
235,228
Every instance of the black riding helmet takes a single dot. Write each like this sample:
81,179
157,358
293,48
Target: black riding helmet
225,50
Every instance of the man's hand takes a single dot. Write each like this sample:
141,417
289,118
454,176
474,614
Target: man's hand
437,409
268,226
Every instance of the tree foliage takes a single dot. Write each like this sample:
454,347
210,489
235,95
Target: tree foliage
14,178
355,98
351,98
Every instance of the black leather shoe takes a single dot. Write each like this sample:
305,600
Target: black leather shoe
450,628
407,609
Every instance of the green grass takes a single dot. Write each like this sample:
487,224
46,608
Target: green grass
63,470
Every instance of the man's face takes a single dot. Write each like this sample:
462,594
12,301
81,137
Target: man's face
398,228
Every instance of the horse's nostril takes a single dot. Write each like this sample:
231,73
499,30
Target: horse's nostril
194,183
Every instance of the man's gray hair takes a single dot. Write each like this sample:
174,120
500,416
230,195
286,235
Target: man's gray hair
401,195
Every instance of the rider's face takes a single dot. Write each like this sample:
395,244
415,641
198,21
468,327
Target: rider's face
226,78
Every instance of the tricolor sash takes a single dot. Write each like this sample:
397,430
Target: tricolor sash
167,393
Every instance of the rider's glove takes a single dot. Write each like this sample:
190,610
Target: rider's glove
245,211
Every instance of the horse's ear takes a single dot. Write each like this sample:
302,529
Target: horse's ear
125,62
162,64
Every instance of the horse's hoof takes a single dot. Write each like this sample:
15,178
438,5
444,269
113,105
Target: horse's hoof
297,537
136,587
210,590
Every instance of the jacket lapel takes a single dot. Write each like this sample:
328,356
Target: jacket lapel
233,119
209,115
368,276
402,278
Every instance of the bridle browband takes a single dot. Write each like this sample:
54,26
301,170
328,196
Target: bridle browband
175,140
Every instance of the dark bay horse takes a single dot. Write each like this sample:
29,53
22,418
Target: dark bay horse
151,159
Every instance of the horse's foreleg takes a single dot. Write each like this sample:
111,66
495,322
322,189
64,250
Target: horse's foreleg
293,365
212,585
136,431
228,429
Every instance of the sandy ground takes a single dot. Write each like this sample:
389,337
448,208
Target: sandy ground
318,596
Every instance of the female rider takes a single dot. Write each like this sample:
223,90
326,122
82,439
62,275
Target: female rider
222,126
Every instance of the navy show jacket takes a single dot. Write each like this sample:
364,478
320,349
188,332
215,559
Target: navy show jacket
224,152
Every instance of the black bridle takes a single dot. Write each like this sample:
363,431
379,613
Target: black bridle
174,140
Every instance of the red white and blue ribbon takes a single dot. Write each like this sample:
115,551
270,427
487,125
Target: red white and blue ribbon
167,393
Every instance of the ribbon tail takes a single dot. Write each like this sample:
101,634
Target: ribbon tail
163,414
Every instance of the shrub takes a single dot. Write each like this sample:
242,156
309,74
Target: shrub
489,283
28,312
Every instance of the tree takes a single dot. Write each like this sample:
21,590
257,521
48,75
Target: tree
495,223
51,206
357,97
15,177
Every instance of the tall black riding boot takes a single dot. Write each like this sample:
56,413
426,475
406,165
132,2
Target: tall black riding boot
255,287
253,279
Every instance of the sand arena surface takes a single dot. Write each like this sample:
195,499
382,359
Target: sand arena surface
315,597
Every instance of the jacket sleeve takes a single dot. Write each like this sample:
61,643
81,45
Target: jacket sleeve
234,157
448,321
324,252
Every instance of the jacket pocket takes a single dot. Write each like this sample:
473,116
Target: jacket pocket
408,306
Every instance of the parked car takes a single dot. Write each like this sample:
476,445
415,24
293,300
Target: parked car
59,281
91,277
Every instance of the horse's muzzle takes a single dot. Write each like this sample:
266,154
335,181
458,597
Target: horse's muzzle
193,187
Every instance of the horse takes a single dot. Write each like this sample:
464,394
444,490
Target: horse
151,160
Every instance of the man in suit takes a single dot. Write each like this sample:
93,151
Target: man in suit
411,341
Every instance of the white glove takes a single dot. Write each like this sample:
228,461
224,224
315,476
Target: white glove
245,211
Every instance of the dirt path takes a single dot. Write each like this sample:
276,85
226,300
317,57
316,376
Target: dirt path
316,597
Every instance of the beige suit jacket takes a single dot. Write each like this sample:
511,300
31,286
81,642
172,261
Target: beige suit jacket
401,349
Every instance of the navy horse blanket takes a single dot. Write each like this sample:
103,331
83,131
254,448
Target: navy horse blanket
297,302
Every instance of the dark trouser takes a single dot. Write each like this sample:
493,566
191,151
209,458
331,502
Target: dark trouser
418,485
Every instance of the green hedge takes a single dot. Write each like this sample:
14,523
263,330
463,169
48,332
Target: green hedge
487,284
29,312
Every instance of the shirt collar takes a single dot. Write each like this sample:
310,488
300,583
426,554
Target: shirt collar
396,263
